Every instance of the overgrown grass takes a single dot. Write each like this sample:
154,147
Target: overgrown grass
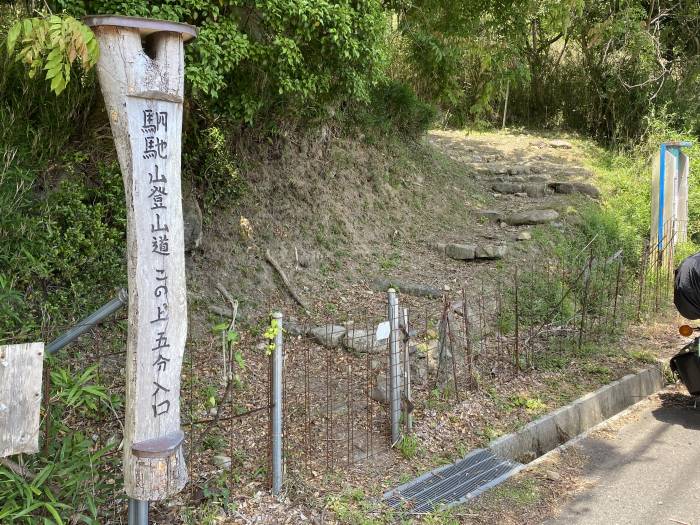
409,446
75,477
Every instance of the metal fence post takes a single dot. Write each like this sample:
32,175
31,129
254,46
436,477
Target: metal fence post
394,367
277,364
138,512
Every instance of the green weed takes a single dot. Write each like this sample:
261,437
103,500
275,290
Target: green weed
602,372
409,446
524,492
214,441
531,405
489,433
81,393
76,479
390,261
351,508
551,361
644,356
441,517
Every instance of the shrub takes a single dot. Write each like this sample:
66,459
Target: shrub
394,108
62,253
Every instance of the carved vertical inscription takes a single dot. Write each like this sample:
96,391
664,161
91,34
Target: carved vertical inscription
20,397
153,412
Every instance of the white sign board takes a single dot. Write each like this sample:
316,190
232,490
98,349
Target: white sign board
21,369
383,331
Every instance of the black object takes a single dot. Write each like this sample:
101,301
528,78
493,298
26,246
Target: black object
686,289
687,366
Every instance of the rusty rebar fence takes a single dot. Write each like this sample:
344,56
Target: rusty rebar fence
339,385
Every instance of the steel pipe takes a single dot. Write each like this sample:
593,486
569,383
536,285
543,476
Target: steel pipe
394,367
90,321
138,512
277,367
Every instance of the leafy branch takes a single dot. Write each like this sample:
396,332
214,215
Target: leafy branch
53,44
270,334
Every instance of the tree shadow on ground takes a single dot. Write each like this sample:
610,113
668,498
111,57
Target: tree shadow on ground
679,409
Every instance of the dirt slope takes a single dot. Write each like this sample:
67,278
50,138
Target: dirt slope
351,213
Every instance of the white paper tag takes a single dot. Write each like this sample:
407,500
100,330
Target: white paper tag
383,331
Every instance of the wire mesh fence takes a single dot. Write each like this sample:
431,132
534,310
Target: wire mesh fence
338,375
351,380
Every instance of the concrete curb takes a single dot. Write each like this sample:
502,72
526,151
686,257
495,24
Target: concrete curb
602,425
552,430
558,430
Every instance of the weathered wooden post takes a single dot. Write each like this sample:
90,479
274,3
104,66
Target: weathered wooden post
141,73
20,397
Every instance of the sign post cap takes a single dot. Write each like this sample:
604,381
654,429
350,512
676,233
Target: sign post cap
145,26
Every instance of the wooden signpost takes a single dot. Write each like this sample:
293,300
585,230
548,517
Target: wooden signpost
141,73
20,398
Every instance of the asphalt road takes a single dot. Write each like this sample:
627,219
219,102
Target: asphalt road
647,472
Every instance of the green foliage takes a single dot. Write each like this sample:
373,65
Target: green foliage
441,517
53,44
437,64
351,507
254,60
598,67
214,441
270,334
541,297
60,253
212,168
644,356
394,107
520,492
232,352
70,485
409,446
60,210
603,373
390,260
602,232
683,250
531,405
80,393
217,492
75,479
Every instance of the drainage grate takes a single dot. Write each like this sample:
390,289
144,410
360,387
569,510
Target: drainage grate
453,484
